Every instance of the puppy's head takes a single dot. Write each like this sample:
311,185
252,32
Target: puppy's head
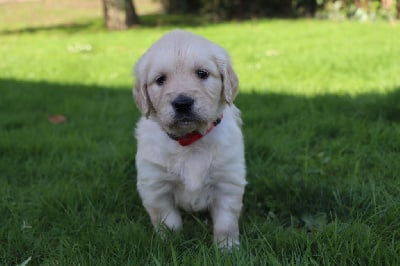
184,82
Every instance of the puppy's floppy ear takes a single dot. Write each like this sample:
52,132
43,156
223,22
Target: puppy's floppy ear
229,79
140,93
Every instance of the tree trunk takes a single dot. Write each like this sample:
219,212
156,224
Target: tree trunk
398,9
119,14
131,16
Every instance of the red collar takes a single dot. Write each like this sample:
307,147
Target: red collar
194,136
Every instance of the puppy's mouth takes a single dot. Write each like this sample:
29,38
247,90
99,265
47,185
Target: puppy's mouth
183,124
182,121
185,119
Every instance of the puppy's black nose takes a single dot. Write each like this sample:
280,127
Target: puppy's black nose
182,104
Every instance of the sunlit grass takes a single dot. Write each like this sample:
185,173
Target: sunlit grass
301,57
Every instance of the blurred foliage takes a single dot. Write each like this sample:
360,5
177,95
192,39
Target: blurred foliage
243,9
364,10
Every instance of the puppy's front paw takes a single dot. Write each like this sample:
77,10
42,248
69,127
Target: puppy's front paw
164,217
171,223
228,244
173,220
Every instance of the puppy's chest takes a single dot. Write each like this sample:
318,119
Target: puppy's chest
196,200
193,180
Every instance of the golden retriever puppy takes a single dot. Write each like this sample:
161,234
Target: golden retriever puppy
190,152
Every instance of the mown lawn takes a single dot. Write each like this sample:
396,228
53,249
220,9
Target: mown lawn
321,110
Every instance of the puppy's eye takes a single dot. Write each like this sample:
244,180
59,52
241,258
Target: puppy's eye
202,73
160,80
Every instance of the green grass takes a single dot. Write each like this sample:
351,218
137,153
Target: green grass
321,109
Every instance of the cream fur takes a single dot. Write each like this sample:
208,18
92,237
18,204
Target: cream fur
208,174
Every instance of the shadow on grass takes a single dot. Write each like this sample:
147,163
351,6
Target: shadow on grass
319,156
147,21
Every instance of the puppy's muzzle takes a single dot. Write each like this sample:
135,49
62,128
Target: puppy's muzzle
186,118
182,104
